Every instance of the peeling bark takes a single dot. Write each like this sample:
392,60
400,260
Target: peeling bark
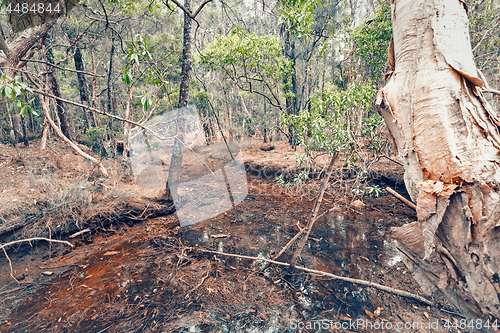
447,137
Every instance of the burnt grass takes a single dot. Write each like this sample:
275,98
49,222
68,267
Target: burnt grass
137,270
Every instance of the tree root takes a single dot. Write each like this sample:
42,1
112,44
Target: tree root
3,246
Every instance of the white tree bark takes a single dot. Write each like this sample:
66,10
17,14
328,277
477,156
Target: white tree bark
447,136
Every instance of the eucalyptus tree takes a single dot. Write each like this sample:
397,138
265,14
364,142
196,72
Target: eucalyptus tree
447,136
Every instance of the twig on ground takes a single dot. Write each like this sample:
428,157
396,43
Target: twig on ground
335,277
3,246
390,159
453,313
400,197
301,230
9,291
81,232
198,285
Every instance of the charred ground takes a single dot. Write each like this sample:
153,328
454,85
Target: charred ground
137,270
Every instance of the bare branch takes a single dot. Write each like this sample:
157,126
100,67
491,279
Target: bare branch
3,246
41,92
63,69
188,12
335,277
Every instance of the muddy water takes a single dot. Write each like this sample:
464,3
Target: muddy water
357,246
129,279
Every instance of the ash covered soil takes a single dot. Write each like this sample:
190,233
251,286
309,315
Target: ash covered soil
134,269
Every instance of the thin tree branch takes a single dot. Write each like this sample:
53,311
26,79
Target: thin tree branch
41,92
486,35
3,246
62,68
333,276
188,12
314,216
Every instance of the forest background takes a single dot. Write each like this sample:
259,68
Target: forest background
305,70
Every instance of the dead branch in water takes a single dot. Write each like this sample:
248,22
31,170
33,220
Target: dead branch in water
400,197
314,216
333,276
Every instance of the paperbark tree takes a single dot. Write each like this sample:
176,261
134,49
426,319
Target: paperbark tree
447,136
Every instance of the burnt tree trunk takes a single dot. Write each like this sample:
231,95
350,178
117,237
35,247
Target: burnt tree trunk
447,137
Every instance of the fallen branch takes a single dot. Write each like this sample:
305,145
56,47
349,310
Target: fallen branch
3,246
81,232
317,205
41,92
390,159
333,276
400,197
301,230
289,243
58,131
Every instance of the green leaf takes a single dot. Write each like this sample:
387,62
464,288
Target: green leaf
33,112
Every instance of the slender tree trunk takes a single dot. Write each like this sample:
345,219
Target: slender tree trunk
45,132
82,87
13,133
175,170
126,126
61,112
25,132
110,146
291,102
447,137
94,97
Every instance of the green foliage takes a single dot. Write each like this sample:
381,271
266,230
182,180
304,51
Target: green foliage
91,136
329,124
484,25
372,42
370,190
202,101
254,62
298,15
14,92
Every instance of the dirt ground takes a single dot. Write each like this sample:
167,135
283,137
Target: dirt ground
134,269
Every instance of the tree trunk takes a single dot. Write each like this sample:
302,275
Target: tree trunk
11,56
82,86
126,126
291,102
448,138
61,113
110,145
175,170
